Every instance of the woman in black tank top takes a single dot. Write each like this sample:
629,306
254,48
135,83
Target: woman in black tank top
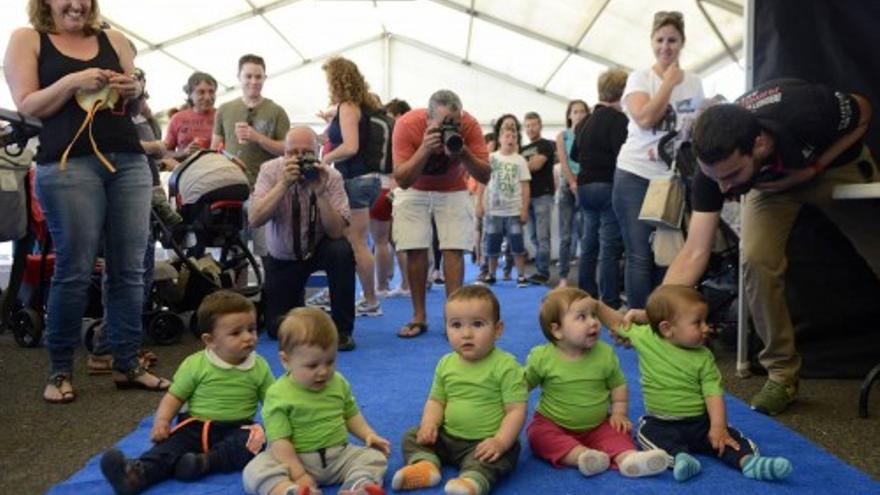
89,190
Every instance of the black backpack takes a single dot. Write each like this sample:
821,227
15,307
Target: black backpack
377,149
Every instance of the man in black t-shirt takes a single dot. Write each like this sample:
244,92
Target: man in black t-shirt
786,144
540,154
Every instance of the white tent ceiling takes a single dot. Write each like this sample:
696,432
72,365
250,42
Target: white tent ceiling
498,55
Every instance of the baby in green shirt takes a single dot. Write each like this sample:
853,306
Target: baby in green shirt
308,414
221,387
581,380
476,407
684,399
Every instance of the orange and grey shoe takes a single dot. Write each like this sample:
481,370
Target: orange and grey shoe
421,474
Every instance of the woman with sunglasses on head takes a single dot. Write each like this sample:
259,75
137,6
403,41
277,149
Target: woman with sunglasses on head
658,100
66,69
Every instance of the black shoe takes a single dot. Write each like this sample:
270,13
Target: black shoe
538,279
346,343
124,475
191,466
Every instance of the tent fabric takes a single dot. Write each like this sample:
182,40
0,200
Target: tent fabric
499,55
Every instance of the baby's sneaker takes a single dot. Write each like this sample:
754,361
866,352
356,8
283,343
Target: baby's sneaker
592,462
646,463
125,475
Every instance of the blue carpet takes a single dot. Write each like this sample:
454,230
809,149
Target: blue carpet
391,378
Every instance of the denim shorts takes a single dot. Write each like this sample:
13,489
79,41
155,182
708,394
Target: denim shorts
495,228
362,191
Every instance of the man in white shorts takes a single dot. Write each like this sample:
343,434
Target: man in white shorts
435,148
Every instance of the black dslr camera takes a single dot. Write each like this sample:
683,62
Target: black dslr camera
308,166
450,135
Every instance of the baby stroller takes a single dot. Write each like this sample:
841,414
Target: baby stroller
208,191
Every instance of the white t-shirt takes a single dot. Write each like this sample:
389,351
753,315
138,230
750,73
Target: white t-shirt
503,196
639,155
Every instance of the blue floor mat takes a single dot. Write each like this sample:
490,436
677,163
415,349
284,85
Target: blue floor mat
391,378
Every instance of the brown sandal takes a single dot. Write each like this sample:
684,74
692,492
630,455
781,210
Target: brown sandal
132,381
102,364
58,380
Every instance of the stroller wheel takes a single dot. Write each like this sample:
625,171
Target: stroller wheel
91,333
165,328
27,327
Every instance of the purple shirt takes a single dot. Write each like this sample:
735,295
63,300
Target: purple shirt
279,228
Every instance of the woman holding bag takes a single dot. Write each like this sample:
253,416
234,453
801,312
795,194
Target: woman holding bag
657,100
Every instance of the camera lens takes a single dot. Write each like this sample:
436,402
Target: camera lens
453,142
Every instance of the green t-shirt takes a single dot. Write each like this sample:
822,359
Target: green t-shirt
675,380
219,391
310,419
574,394
475,393
267,118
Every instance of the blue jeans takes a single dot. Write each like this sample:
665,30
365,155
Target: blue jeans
601,242
541,213
83,204
640,275
496,227
568,225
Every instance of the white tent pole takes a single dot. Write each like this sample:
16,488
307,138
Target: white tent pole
577,43
742,325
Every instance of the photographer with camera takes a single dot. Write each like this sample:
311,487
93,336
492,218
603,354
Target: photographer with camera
434,149
305,209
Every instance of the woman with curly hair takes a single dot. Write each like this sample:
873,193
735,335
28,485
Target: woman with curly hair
348,133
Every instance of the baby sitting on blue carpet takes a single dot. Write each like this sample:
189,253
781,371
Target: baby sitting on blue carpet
684,399
221,386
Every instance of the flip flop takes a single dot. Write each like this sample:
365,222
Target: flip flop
57,381
405,331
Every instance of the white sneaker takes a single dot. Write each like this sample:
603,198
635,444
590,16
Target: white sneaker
398,292
320,300
364,309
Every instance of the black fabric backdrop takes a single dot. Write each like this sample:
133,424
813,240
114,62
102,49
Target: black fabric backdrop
832,293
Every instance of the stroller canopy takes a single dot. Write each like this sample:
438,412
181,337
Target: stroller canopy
203,173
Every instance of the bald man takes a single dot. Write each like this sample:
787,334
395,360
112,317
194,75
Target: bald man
305,209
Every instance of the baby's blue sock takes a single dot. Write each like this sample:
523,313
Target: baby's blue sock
686,467
766,468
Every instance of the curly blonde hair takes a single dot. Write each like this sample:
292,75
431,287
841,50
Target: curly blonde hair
347,84
40,17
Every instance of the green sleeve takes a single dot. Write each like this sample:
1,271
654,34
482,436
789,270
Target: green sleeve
275,417
533,371
438,389
513,383
184,383
710,377
615,377
350,408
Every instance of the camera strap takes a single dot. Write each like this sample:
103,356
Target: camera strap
311,230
